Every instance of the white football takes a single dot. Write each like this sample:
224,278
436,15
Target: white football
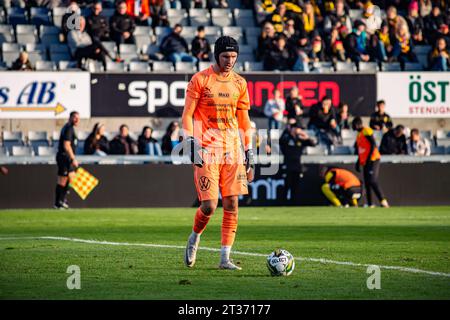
280,263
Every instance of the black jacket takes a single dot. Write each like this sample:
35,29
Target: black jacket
121,145
382,121
173,43
276,59
390,144
320,119
200,46
98,27
292,149
90,146
119,24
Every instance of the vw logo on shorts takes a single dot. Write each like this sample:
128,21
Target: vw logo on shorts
204,183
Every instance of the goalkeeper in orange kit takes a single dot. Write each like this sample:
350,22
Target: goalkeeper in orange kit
214,116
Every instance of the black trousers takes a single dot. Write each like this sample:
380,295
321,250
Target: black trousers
292,183
371,171
90,52
346,195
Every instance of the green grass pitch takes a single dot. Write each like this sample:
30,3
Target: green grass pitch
409,237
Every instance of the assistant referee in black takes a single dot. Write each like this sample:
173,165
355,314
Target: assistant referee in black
65,159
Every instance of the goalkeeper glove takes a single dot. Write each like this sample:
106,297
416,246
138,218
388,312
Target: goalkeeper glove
249,160
195,150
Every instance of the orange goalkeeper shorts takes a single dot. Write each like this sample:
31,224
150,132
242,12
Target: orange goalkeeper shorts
224,172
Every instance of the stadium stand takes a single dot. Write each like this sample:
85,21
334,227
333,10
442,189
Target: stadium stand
40,25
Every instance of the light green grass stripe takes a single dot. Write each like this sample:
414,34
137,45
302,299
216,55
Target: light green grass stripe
152,245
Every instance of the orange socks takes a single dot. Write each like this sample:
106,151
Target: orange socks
229,227
200,221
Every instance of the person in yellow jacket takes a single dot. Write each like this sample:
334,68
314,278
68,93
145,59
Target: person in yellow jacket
341,187
368,158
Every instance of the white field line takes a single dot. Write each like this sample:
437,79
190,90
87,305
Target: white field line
151,245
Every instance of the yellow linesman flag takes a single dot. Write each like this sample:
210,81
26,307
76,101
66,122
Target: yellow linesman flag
83,183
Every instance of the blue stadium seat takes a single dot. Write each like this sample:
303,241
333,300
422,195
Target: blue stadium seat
235,32
45,151
392,66
221,17
45,66
341,150
438,150
244,18
10,52
49,35
162,66
38,138
16,15
26,33
6,33
188,67
139,66
253,66
40,18
115,66
368,67
22,151
199,17
177,16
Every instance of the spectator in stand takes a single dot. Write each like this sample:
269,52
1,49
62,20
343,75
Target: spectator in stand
380,120
201,48
123,143
309,18
357,44
294,108
279,17
418,146
147,144
97,25
122,25
22,63
439,57
175,48
444,32
318,49
322,120
274,110
139,10
425,7
416,24
71,9
342,117
96,143
335,46
301,51
264,8
265,40
371,20
337,19
383,45
403,46
394,21
290,31
278,57
171,138
433,23
158,13
394,141
82,46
